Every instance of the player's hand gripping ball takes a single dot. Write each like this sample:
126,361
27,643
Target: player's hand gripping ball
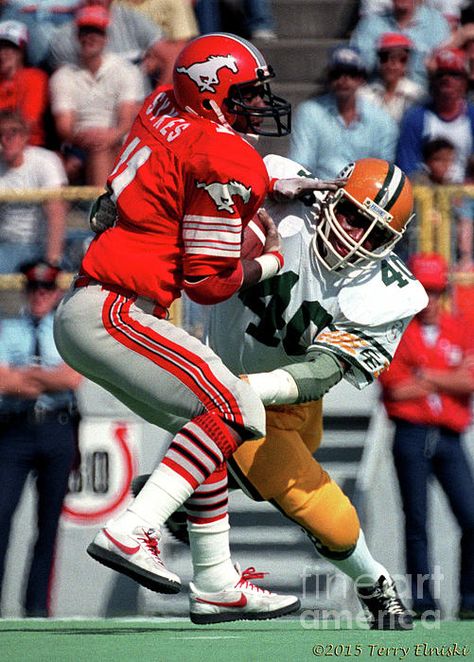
260,236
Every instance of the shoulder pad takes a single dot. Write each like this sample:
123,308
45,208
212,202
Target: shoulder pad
279,167
384,294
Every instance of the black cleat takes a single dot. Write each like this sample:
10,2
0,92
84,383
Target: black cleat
384,607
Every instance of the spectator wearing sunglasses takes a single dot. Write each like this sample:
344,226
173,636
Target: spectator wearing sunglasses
393,90
427,28
339,126
447,115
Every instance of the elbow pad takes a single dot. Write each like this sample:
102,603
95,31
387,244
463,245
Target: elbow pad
315,377
215,288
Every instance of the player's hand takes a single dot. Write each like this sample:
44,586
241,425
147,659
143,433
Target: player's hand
272,238
302,187
103,214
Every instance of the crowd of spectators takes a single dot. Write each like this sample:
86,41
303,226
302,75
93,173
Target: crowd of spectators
75,73
76,70
402,89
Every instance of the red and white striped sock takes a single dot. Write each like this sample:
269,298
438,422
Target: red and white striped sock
210,500
193,455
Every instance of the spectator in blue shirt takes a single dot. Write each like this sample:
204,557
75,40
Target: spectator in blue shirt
38,426
426,27
338,127
447,115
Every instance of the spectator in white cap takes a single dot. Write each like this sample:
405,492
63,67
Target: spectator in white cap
95,102
393,90
24,89
340,126
42,18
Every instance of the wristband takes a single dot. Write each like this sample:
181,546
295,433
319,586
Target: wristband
271,188
274,388
270,264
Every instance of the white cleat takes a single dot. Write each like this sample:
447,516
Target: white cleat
136,555
242,602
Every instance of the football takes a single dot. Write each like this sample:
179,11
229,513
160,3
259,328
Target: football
253,239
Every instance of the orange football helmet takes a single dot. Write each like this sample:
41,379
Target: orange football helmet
377,197
212,75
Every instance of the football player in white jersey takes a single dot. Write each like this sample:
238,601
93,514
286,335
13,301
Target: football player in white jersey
336,310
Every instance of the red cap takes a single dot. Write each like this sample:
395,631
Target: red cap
40,272
93,16
394,40
431,270
451,59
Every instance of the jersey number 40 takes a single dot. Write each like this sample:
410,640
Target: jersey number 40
268,301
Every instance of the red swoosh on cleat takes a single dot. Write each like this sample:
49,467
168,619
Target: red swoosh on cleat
237,603
120,545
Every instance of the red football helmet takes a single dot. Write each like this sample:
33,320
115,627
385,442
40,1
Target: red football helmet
377,198
214,76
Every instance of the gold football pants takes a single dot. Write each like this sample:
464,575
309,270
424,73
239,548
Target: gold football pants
280,468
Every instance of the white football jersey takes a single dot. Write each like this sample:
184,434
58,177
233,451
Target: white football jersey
359,315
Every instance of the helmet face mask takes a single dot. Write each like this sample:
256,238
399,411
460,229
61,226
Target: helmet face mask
272,118
219,76
362,222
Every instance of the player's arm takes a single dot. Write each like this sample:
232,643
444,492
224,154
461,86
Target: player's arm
249,271
299,382
219,286
302,188
222,195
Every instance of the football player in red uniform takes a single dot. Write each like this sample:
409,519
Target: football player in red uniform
185,185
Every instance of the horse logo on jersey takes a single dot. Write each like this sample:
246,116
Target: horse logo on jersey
204,74
221,193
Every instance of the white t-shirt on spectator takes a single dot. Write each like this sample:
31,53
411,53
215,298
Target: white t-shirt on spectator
24,222
406,94
95,98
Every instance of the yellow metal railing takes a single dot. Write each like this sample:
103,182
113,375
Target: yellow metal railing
436,219
434,224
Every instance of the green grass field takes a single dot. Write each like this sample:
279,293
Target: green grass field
283,640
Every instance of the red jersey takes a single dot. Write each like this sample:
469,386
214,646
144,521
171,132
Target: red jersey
453,343
185,188
27,93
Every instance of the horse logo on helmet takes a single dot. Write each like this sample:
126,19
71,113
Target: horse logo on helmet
204,74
